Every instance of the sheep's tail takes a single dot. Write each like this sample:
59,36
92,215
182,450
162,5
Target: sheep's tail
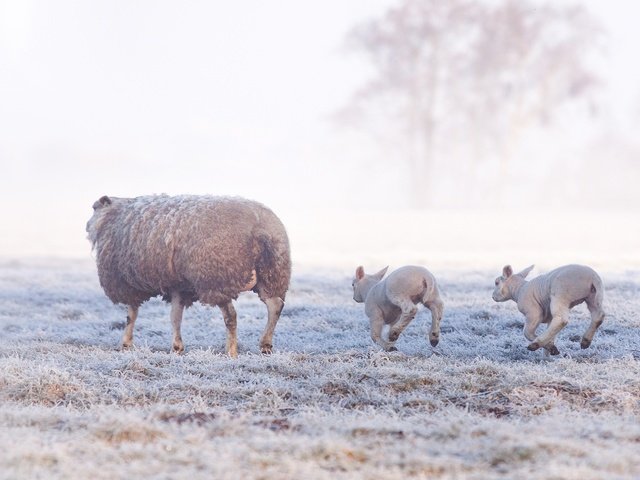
425,290
273,266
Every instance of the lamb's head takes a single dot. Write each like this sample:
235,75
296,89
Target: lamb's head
99,207
508,283
362,283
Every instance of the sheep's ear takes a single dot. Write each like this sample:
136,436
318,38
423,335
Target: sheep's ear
526,271
360,273
381,273
101,202
507,271
104,201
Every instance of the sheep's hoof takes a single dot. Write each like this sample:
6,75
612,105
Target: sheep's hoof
434,341
553,350
266,349
127,346
533,346
392,349
584,343
178,347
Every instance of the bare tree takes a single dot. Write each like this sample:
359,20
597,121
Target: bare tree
529,61
488,70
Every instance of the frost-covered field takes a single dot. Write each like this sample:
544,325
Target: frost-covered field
327,404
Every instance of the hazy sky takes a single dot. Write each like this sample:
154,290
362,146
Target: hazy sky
135,97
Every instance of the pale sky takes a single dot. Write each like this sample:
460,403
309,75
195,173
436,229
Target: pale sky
135,97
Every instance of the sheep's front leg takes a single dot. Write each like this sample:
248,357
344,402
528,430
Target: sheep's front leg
274,307
376,320
176,321
436,308
409,311
560,318
127,337
230,320
533,318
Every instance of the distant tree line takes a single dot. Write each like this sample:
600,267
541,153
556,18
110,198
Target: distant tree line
470,75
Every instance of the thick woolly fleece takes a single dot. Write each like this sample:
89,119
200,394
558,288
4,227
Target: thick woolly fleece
204,247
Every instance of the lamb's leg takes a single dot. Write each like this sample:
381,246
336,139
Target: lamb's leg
560,318
176,320
229,315
436,308
127,337
376,320
597,317
550,348
409,311
274,307
532,320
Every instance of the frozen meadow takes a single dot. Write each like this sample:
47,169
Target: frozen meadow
328,403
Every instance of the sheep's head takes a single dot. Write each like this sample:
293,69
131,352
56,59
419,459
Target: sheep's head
507,283
98,207
362,283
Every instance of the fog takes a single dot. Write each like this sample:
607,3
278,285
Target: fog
245,98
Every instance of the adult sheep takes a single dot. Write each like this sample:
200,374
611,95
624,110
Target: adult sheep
189,248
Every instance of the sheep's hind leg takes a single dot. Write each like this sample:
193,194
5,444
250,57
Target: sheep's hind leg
230,320
550,348
274,307
597,317
436,308
176,321
127,337
409,311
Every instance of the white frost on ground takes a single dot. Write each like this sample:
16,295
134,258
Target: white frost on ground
328,404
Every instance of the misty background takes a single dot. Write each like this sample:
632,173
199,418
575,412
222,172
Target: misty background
415,124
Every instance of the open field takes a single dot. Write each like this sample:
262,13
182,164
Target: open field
327,404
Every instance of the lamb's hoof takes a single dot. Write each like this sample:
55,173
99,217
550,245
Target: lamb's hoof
392,349
533,346
178,348
127,346
434,341
553,350
266,349
584,343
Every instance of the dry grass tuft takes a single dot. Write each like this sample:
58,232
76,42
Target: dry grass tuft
122,434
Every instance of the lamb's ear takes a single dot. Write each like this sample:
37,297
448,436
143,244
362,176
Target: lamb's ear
507,271
381,273
360,273
526,271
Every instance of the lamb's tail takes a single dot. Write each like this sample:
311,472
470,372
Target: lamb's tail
425,290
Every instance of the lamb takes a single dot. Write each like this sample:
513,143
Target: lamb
190,248
393,301
548,299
